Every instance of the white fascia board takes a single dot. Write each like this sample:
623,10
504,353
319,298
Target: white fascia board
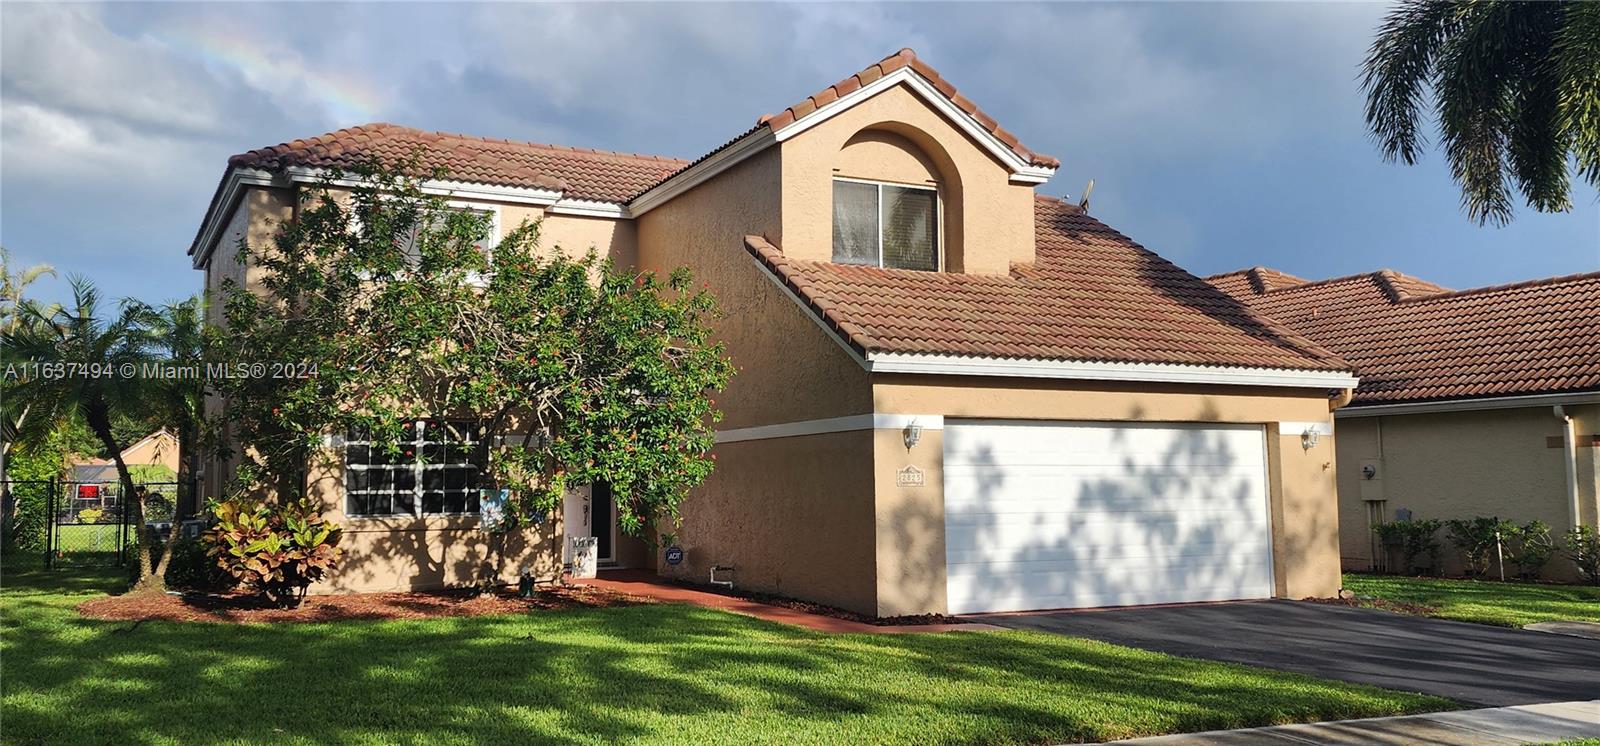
1469,405
217,221
961,365
695,175
1022,170
844,424
589,209
1320,427
440,187
238,178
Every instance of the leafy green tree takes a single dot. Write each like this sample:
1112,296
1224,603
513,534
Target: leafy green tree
583,372
77,357
1515,87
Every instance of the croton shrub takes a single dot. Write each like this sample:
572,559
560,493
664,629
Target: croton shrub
276,549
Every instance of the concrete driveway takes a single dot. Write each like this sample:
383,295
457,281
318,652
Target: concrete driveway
1472,663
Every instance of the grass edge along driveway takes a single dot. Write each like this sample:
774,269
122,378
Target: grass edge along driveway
1506,604
663,673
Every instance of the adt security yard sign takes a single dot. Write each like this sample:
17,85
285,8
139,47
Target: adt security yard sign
674,555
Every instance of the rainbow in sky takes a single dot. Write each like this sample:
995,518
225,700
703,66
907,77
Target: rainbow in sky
348,98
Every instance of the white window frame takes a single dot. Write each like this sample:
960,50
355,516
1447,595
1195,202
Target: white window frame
417,467
473,278
938,218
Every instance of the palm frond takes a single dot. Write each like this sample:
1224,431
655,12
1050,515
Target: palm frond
1398,72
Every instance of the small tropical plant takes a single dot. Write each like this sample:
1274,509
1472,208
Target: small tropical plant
1530,548
276,550
1583,546
1413,539
1477,539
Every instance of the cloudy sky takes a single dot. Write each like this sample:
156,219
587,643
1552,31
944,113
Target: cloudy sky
1220,135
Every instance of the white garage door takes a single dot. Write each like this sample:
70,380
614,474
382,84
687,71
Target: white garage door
1050,515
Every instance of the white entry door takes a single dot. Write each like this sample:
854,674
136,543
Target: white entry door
1050,515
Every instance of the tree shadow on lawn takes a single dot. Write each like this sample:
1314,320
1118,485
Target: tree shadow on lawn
648,673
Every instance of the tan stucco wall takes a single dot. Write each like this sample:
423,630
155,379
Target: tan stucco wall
617,240
1305,518
788,367
259,214
1496,462
792,516
910,524
160,449
405,553
988,220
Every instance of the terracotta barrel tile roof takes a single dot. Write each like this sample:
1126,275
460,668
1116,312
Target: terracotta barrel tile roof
903,58
585,174
1413,341
1092,295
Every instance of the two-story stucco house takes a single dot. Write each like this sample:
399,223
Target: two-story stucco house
955,394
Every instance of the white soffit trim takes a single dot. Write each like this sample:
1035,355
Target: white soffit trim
1022,170
238,178
961,365
589,209
832,425
1468,405
693,176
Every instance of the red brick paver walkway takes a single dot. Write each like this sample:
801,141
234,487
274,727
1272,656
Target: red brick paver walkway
649,585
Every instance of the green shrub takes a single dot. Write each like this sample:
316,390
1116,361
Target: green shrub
1477,539
1583,546
276,550
191,569
1413,539
1530,548
90,515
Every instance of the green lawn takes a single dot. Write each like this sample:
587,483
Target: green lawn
1483,601
643,674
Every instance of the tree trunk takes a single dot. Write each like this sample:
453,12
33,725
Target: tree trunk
99,419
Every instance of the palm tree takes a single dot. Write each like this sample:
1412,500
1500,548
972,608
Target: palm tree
1515,87
13,417
177,334
83,357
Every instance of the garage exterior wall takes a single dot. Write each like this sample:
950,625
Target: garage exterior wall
1443,465
1301,484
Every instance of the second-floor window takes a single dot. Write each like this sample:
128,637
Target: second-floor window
885,225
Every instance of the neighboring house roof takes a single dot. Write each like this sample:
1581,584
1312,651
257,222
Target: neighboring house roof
1415,341
1092,295
580,173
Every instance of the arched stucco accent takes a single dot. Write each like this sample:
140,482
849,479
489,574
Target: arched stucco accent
902,153
980,202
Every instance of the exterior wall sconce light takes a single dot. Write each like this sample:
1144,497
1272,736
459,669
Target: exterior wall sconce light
912,433
1308,439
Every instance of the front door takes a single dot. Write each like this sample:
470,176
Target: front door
603,522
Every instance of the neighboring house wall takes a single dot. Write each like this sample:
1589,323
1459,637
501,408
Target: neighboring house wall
896,136
158,449
1494,462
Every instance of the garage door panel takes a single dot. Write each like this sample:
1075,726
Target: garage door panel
1052,515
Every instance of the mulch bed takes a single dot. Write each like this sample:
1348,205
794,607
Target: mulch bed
240,608
1379,603
822,610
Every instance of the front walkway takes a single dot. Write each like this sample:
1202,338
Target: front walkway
649,585
1522,724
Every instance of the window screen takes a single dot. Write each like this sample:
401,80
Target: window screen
884,225
435,472
909,225
855,223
